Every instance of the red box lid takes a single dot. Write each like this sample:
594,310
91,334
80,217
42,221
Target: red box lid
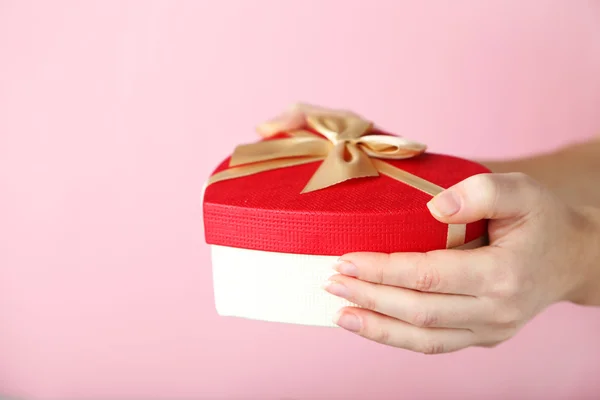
267,211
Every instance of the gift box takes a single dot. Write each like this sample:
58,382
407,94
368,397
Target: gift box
279,213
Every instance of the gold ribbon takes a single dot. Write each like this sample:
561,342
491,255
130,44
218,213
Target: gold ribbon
347,151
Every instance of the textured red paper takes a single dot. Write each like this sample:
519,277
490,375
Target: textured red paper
267,212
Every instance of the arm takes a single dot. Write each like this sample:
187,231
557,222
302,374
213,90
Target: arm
572,173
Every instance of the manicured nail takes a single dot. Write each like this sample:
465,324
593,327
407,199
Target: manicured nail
347,321
337,289
444,204
346,268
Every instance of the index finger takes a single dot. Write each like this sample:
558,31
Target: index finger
295,118
441,271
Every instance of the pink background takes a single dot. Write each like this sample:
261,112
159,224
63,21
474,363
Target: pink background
112,114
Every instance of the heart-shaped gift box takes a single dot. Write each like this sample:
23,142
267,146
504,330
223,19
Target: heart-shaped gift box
278,214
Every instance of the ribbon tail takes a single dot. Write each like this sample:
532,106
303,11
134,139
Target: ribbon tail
251,169
407,178
296,146
456,235
343,162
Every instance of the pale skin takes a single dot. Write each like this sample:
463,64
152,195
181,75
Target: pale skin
544,248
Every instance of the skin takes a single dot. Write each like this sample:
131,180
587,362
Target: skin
544,236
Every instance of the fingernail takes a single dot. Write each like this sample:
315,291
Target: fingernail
346,268
337,289
347,321
444,204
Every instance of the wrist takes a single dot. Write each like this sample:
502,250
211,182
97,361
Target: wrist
587,262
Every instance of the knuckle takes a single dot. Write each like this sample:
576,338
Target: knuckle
507,289
486,186
424,319
428,278
369,302
379,274
380,335
431,347
376,329
481,180
507,284
485,183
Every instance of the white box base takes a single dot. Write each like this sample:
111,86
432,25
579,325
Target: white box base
278,287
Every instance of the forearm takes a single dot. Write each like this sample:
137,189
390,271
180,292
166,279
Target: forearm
573,172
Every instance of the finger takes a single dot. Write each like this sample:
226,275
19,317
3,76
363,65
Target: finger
425,310
289,120
312,109
487,196
393,332
441,271
295,118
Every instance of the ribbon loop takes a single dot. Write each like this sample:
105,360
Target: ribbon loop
390,147
345,146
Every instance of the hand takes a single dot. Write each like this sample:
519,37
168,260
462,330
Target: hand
541,251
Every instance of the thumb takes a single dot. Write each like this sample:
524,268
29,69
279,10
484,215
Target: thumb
487,196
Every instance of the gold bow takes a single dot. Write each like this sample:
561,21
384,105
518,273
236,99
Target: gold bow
346,150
